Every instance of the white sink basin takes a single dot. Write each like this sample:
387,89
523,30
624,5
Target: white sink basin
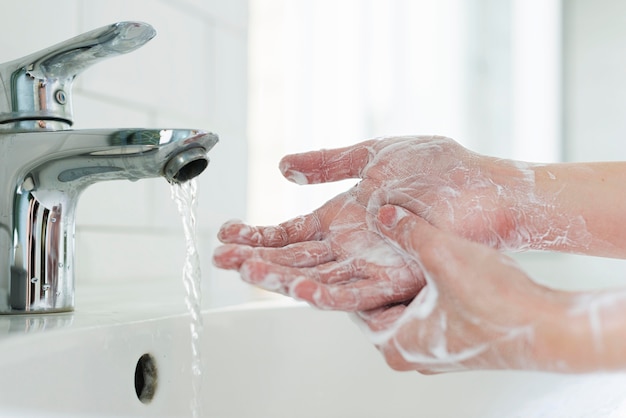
264,359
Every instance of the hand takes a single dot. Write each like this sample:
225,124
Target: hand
327,257
478,310
330,258
485,199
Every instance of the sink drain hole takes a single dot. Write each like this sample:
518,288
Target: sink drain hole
146,378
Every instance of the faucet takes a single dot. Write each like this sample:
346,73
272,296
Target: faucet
45,165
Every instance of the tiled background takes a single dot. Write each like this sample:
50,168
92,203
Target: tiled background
193,74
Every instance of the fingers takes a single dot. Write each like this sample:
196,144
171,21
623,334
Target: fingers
331,288
305,254
359,295
327,165
440,254
299,229
381,319
412,233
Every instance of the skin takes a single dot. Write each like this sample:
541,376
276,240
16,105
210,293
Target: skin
488,314
338,257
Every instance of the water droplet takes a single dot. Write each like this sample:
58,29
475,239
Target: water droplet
34,280
45,287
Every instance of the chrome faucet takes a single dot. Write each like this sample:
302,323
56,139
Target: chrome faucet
45,165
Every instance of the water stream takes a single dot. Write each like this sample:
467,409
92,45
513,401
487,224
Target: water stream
185,197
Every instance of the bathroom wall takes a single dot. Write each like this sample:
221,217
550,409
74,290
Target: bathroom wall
327,74
192,75
594,79
593,121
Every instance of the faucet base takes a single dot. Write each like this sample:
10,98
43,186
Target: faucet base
38,312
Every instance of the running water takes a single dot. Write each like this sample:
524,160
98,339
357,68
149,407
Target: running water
185,197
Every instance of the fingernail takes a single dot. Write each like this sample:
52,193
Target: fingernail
284,166
231,222
256,273
231,256
295,177
249,271
227,227
388,216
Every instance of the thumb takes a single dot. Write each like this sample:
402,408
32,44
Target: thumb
326,165
414,235
437,251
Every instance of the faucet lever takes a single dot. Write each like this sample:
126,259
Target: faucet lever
36,89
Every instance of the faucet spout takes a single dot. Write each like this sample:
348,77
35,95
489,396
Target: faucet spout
45,173
185,165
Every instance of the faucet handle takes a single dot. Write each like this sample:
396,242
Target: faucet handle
37,89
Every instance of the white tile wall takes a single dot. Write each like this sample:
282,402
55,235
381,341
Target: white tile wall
595,90
192,75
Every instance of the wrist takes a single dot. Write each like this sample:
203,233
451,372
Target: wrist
556,345
581,332
519,209
580,208
543,211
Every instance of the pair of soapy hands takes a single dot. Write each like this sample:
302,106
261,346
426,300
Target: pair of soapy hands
412,250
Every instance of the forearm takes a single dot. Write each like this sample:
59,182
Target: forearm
583,332
573,207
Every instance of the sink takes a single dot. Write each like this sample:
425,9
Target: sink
267,358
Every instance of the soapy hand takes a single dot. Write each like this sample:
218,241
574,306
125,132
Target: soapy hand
334,258
478,310
330,258
488,200
426,291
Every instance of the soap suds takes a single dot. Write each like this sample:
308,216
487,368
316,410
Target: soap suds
494,203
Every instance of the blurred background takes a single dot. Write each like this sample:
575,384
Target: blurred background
536,80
